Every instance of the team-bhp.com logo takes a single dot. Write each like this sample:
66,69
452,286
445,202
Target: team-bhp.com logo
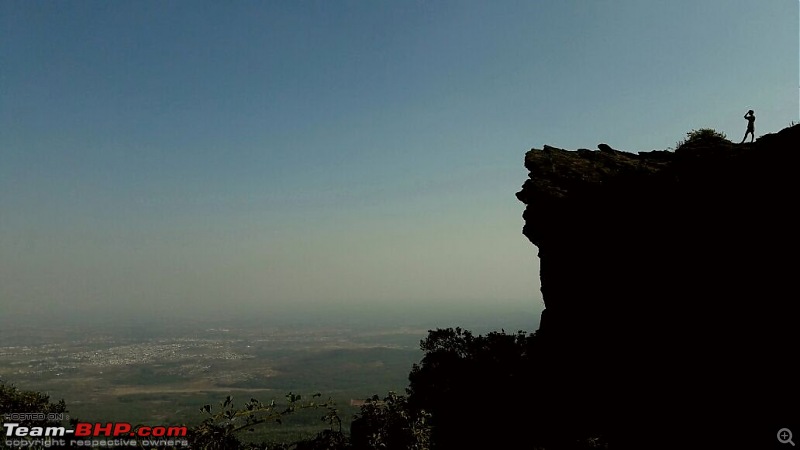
85,429
122,434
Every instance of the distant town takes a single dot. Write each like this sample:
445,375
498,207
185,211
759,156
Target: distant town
160,376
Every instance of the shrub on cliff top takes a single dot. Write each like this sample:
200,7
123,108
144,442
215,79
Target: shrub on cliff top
704,137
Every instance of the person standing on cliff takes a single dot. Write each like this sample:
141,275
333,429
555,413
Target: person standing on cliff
751,126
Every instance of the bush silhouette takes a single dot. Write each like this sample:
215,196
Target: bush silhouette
703,137
478,389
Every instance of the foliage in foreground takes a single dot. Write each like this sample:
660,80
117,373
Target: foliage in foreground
478,389
42,412
388,423
392,424
223,428
14,400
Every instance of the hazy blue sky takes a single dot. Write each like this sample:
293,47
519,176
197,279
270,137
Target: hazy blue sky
264,157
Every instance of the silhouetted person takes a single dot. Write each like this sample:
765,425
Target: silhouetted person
751,126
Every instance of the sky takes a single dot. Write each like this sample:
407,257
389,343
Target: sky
328,158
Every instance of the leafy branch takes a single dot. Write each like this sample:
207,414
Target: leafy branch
219,429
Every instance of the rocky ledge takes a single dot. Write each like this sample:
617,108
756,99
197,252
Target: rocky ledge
670,282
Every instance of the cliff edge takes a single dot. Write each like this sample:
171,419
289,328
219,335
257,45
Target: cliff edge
669,282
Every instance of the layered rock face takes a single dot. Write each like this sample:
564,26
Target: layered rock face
670,283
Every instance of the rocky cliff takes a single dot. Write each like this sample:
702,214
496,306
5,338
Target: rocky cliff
669,280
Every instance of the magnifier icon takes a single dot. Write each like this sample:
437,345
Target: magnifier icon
785,436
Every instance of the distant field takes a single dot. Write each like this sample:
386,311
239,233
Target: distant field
166,377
